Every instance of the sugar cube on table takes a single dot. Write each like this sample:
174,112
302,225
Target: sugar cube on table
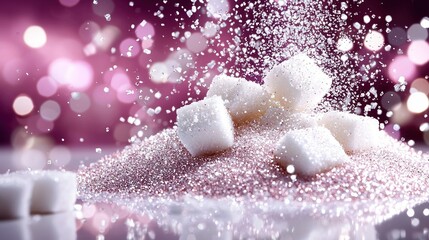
53,191
15,196
354,132
205,127
310,151
245,100
298,83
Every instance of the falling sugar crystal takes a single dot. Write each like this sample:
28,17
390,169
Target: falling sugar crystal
244,100
298,83
205,127
310,151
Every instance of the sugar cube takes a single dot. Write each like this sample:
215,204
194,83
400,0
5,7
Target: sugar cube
298,83
15,195
310,151
245,100
205,127
354,132
53,191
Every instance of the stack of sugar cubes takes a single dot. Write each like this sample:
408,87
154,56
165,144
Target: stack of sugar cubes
36,192
312,142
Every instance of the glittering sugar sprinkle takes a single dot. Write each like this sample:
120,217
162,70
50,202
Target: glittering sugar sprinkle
161,167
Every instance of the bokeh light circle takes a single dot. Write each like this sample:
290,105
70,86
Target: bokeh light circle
80,76
425,22
417,32
418,52
103,7
374,41
401,115
344,44
129,48
420,85
159,72
147,43
79,102
196,42
69,3
89,30
46,86
50,110
60,156
145,30
417,102
58,68
33,159
35,37
389,100
401,67
77,75
397,36
120,80
23,105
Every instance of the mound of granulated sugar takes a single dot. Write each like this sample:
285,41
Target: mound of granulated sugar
161,167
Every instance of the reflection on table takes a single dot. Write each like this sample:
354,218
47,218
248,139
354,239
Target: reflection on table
47,227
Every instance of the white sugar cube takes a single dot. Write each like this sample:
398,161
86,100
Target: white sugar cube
354,132
53,191
205,127
309,151
298,83
15,195
244,100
